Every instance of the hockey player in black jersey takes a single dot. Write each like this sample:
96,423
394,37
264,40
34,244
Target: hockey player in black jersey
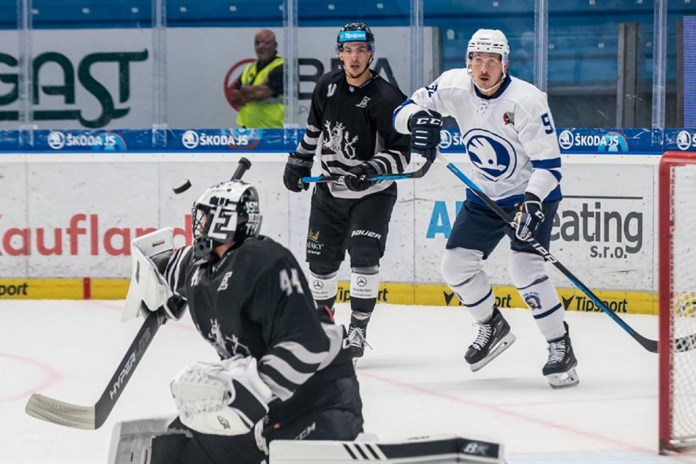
349,129
285,369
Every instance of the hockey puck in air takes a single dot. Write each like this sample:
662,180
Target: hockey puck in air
182,186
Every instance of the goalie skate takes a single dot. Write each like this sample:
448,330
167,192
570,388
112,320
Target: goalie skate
560,368
493,338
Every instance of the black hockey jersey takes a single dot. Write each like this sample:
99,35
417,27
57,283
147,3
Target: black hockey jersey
348,125
255,301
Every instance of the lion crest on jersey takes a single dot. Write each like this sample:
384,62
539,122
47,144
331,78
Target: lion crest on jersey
220,342
339,140
491,154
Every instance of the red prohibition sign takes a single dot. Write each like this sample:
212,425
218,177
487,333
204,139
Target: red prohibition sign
229,85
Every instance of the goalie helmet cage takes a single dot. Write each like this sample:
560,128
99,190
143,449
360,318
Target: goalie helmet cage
677,301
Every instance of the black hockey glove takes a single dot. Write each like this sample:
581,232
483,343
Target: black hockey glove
297,167
356,179
425,133
529,217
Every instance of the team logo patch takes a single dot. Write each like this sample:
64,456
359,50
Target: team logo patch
225,281
363,103
533,301
331,90
491,154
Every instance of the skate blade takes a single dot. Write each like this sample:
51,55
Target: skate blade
502,345
564,379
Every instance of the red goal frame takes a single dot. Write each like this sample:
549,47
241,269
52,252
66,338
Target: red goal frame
668,162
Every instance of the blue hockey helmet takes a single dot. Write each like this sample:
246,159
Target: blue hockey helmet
355,32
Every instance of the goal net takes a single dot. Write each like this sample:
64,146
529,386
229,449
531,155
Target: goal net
677,297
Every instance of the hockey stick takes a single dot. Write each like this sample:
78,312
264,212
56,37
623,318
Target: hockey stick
92,417
682,344
418,173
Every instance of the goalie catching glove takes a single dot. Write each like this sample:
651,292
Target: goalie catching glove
221,398
528,218
425,128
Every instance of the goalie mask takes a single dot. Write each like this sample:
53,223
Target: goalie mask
226,212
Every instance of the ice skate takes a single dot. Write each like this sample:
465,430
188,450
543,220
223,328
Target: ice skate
356,337
560,368
493,338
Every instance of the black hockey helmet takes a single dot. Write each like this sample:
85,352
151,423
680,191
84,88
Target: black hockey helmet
226,212
355,32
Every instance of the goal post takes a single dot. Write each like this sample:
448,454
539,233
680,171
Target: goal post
677,301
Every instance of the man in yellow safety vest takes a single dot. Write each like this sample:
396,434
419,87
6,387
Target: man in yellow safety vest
259,90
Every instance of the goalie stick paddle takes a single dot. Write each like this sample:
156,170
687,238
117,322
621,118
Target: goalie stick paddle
682,344
92,417
420,172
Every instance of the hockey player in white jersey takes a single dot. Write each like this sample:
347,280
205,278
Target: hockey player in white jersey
509,135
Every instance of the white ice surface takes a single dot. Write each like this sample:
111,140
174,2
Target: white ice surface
414,382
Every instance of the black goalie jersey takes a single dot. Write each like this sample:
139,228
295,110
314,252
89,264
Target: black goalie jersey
348,125
255,301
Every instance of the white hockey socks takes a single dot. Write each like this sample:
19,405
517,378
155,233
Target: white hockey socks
324,287
462,270
528,273
364,282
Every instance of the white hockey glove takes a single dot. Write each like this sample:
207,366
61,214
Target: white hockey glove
529,217
148,289
222,398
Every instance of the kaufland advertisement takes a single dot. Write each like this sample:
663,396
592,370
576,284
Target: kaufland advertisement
70,216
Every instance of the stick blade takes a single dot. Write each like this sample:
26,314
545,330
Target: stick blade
61,413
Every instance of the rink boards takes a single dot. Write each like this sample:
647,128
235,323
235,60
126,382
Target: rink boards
68,220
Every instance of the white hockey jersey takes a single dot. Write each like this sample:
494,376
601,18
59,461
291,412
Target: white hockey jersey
510,137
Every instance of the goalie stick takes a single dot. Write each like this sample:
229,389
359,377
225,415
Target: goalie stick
418,173
92,417
681,344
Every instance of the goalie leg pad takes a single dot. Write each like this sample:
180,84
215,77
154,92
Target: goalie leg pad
131,441
181,445
439,448
223,398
